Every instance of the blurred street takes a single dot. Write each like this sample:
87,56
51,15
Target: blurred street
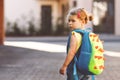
39,58
23,56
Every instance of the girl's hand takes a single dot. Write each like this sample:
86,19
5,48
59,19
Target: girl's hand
63,70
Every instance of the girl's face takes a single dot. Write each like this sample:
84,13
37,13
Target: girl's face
74,22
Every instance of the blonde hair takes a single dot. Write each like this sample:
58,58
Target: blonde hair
81,14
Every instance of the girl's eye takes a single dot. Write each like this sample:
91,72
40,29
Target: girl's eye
71,20
68,20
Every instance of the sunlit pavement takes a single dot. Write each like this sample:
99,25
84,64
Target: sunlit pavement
48,47
35,60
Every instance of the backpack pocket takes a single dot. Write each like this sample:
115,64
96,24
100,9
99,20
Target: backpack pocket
83,62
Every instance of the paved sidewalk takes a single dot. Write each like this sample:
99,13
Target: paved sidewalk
26,64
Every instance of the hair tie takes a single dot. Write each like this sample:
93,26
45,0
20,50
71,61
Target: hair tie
78,14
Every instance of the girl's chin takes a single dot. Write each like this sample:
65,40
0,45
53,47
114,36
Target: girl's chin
71,28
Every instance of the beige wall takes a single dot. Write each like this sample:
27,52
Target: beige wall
117,17
87,4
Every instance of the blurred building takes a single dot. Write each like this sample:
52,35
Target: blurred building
45,15
106,14
52,15
49,15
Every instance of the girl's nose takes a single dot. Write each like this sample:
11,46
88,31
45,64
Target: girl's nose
70,22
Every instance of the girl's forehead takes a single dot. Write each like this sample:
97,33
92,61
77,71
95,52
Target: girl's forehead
72,17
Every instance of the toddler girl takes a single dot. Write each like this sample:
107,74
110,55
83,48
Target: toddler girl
77,19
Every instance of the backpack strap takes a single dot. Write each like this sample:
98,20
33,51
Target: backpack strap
75,58
93,77
74,67
79,31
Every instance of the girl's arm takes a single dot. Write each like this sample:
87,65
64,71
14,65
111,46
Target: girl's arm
70,55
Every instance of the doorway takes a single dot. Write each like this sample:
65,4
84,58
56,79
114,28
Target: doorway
46,25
